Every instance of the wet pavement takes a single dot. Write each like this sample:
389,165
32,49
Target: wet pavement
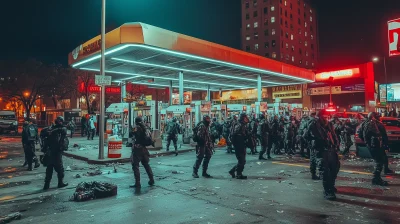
277,191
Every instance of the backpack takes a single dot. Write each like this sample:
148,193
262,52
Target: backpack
148,138
171,128
31,133
195,135
361,131
261,128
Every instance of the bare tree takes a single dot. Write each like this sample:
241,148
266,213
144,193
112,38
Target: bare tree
63,84
85,81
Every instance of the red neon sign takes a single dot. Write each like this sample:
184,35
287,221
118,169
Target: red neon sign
96,89
393,37
341,74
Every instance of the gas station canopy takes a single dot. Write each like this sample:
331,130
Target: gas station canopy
148,55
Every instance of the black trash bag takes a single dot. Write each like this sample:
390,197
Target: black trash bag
91,190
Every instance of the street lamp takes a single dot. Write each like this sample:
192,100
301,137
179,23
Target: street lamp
26,93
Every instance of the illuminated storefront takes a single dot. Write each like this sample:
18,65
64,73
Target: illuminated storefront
352,88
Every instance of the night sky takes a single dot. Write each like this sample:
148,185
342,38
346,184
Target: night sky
350,31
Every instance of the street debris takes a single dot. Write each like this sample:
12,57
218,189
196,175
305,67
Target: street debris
10,217
76,145
177,172
68,168
193,189
94,173
279,211
77,176
91,190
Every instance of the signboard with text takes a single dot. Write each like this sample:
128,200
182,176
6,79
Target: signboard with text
287,92
102,80
340,74
393,37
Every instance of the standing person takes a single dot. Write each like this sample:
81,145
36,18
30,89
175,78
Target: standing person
314,159
289,137
215,130
204,147
83,126
373,133
91,128
274,135
263,134
57,141
71,126
239,136
140,154
226,132
253,125
302,141
30,137
173,129
324,145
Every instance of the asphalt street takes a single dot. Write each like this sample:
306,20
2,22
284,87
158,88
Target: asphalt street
277,191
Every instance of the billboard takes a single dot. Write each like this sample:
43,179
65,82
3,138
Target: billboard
393,37
382,93
340,74
393,92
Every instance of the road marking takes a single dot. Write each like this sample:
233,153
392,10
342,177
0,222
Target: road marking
6,198
346,171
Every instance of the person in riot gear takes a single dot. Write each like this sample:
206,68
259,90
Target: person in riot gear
204,148
239,136
346,133
252,126
173,129
281,135
375,136
324,145
57,139
302,141
30,137
226,132
263,134
140,154
274,135
289,136
215,130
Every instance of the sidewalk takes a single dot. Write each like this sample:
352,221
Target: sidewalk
88,150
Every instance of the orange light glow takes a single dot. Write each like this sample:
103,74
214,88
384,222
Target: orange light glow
341,74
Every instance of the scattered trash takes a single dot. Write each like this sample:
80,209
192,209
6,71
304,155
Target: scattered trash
90,190
193,189
259,163
95,173
81,149
76,145
77,176
177,172
10,217
279,211
68,168
217,187
9,159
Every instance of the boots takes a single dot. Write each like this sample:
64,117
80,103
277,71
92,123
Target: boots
46,185
195,175
206,175
261,157
61,183
241,177
137,185
151,182
379,181
37,164
388,171
329,195
232,173
315,177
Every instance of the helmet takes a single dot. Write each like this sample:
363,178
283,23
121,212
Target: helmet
372,115
242,116
261,116
59,119
205,117
174,119
26,123
138,120
214,119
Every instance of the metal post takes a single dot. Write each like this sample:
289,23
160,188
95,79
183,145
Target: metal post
102,69
123,91
170,93
180,88
384,64
259,89
208,93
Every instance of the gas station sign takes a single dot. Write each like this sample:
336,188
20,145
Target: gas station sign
393,37
340,74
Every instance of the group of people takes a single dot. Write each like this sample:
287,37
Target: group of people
88,127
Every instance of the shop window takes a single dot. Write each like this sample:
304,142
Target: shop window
273,32
256,47
266,10
248,37
272,19
255,35
266,33
266,44
265,22
273,55
273,43
247,16
255,24
255,14
272,8
267,55
247,48
291,36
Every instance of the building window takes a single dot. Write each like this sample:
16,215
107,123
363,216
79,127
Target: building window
300,31
255,3
291,36
292,48
281,11
286,24
282,44
291,6
273,32
247,48
298,11
265,22
287,57
305,33
285,3
255,14
301,61
287,46
310,10
255,24
291,27
256,47
312,46
272,8
281,33
306,53
310,18
300,52
312,37
286,13
273,55
247,16
266,44
304,5
266,10
266,32
281,21
312,64
247,37
300,42
305,24
280,1
305,16
255,36
298,21
293,58
272,19
291,16
311,29
306,63
305,43
247,4
247,26
273,43
287,35
267,55
312,55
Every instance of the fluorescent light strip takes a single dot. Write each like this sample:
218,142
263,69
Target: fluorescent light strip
192,71
157,77
195,57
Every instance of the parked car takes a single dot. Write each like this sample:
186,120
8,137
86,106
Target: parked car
392,126
8,122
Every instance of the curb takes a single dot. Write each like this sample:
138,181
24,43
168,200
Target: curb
120,160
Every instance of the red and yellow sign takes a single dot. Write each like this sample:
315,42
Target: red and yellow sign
340,74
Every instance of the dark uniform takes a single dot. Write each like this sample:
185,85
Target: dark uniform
173,129
274,136
140,154
215,130
263,135
30,136
204,148
252,126
56,140
302,141
226,132
240,135
375,137
346,136
324,145
289,137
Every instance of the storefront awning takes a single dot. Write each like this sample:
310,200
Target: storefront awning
152,56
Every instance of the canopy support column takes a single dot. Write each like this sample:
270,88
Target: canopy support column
123,92
208,93
170,92
259,95
180,88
